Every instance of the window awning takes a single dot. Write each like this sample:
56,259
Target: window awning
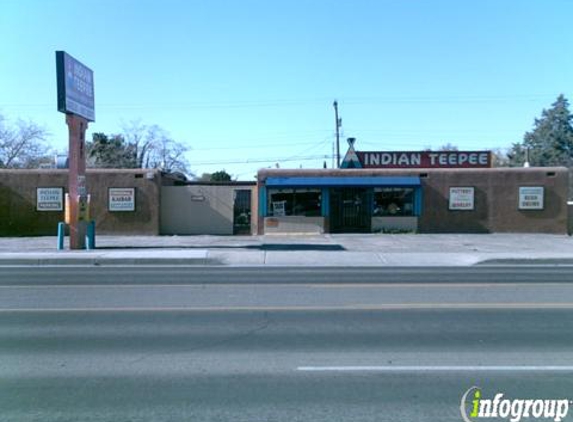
342,181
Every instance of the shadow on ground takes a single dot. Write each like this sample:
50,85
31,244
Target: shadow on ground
264,247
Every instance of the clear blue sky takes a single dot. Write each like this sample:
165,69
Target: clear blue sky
248,84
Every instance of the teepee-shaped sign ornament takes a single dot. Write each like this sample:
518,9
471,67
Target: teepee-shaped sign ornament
351,160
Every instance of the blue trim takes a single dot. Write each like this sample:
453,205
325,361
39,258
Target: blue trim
262,201
342,181
325,202
418,202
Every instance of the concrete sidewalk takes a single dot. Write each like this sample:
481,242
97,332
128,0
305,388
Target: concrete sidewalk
319,250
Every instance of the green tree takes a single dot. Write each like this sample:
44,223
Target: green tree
220,176
550,143
110,152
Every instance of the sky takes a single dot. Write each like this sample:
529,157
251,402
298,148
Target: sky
250,84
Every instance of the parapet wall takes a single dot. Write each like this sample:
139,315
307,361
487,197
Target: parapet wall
19,216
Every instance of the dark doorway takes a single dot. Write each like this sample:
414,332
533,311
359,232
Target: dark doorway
349,210
242,212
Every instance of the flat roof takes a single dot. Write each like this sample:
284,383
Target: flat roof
343,181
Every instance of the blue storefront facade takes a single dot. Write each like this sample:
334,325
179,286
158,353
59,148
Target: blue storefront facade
338,203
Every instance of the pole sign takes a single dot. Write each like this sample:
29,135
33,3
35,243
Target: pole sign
75,87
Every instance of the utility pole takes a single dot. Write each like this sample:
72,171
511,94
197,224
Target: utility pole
338,121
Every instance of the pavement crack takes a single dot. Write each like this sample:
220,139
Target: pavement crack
264,325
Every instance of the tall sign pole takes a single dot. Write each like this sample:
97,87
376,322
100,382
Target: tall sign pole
77,181
76,99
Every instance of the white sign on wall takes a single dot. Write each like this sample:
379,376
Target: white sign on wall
531,198
279,208
49,199
462,198
121,199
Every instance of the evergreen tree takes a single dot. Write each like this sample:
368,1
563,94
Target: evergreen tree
550,143
220,176
110,152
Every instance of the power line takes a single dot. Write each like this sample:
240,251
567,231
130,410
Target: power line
299,102
266,160
252,146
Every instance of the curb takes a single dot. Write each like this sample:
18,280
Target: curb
94,258
106,261
279,259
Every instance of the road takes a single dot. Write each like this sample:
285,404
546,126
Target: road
240,344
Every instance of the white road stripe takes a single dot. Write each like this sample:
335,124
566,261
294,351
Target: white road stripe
461,368
342,307
317,286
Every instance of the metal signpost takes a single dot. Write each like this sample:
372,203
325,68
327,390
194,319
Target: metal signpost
76,99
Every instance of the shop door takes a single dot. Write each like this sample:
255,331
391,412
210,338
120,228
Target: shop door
349,210
242,212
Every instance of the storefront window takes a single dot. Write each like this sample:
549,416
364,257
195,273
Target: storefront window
393,202
303,202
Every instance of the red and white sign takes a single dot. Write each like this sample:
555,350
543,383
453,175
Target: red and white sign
424,159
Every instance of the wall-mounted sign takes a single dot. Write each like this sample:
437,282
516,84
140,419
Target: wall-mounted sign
425,159
531,198
49,199
279,209
121,199
462,198
416,159
75,87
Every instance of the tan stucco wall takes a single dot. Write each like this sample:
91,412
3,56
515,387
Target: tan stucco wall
18,215
199,209
380,224
294,224
496,201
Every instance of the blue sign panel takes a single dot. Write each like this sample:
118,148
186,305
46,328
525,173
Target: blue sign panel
75,87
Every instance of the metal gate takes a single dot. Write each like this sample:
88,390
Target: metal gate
349,210
242,212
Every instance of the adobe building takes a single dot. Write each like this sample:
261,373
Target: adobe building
423,191
126,202
32,202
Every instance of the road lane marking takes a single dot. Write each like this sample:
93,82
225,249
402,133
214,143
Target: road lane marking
383,307
437,368
202,285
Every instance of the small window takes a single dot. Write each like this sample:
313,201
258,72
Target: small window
303,202
393,202
550,174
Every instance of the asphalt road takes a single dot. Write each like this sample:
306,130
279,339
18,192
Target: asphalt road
176,344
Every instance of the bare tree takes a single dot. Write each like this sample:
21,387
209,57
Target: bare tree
22,145
154,148
141,138
500,157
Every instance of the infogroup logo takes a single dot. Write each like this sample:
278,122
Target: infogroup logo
474,407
